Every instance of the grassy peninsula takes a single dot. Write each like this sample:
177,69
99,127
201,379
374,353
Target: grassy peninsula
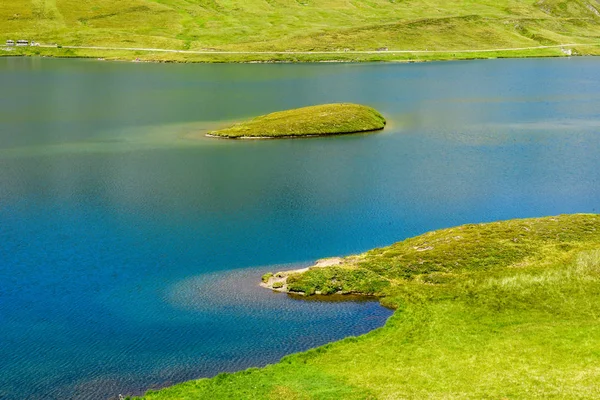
505,310
320,120
303,30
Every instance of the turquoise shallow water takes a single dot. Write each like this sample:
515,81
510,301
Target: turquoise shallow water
130,250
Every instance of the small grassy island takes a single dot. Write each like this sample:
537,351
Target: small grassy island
500,310
320,120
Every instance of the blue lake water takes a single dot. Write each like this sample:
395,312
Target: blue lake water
131,246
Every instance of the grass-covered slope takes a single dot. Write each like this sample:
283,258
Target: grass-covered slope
321,120
303,25
508,310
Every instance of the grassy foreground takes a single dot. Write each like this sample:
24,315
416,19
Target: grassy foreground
282,26
320,120
507,310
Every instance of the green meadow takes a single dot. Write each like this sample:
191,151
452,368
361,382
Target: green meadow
485,28
505,310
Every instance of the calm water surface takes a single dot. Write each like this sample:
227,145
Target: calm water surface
130,246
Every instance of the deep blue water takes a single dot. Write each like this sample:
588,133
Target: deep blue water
131,246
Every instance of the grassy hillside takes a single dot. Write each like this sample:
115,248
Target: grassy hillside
508,310
304,25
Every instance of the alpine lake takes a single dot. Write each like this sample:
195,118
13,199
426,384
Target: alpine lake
132,246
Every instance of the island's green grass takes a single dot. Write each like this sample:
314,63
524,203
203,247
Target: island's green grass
321,120
508,310
303,25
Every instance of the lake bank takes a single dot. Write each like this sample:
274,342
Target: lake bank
407,56
471,300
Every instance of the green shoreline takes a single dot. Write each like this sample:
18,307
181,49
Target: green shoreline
507,309
281,57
